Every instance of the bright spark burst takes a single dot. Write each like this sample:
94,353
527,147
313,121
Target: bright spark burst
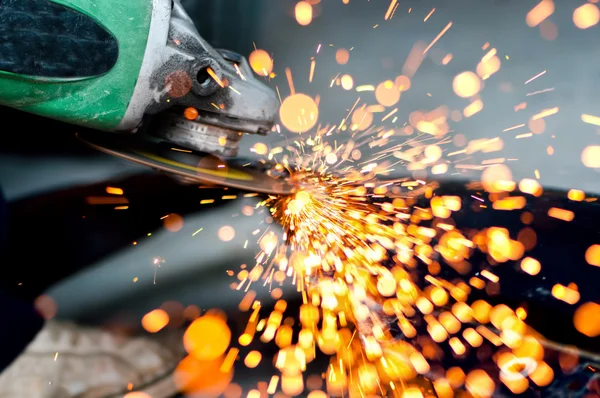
373,258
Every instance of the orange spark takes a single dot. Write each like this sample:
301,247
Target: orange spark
590,119
561,214
544,113
215,77
428,15
388,13
437,38
288,74
313,63
539,13
514,127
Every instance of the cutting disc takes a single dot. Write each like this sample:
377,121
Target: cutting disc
192,166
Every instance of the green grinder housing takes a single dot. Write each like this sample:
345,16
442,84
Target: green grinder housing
111,65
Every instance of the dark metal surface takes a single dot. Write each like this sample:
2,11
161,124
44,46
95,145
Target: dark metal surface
40,38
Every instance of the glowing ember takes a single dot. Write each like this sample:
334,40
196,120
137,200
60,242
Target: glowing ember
261,62
342,56
226,233
304,13
155,320
207,338
466,84
586,16
387,94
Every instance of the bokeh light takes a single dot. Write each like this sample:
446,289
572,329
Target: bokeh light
466,84
46,306
299,113
173,222
591,156
592,255
304,13
155,321
403,83
488,67
261,62
207,338
342,56
497,178
226,233
347,82
196,378
361,118
252,359
586,16
587,319
137,394
387,93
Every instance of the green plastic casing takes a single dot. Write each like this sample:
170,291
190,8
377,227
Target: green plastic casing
98,102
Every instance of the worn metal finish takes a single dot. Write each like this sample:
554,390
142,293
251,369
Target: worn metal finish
196,135
175,74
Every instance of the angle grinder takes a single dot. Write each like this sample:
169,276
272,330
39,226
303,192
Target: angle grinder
142,81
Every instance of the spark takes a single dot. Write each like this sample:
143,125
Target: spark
239,72
196,233
272,388
590,119
215,77
389,114
437,38
114,191
546,90
544,113
513,127
473,108
428,15
535,77
525,135
288,75
366,87
388,13
181,150
489,55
